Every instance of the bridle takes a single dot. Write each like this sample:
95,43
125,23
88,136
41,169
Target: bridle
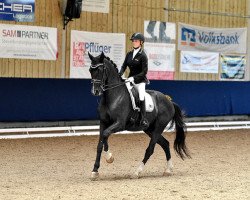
104,86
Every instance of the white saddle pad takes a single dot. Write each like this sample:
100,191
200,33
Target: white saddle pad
148,99
149,103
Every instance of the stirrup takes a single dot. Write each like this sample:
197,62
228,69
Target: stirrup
144,122
132,120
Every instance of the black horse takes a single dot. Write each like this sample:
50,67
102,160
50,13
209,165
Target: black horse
115,110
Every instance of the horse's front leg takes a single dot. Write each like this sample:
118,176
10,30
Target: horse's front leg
108,155
102,142
118,126
113,128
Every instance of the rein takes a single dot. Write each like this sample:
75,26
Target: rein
104,86
111,86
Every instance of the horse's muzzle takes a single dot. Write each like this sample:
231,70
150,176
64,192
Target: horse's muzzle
96,92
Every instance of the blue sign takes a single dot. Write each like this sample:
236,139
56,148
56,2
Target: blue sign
17,10
188,34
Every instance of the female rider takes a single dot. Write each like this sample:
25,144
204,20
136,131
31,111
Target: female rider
137,62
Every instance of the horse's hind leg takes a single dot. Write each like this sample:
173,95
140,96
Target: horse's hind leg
155,134
148,153
165,145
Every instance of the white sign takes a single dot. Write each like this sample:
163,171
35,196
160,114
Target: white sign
111,44
101,6
196,38
28,42
161,60
199,62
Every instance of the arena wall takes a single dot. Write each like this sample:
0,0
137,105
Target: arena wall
70,99
125,16
31,91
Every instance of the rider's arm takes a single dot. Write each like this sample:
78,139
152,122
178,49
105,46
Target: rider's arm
141,76
124,66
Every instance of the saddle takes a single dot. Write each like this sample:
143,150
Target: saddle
134,96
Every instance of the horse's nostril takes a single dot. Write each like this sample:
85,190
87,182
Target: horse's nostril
96,92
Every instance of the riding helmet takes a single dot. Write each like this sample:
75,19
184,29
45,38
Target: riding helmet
138,36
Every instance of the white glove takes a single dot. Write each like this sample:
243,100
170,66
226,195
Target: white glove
131,79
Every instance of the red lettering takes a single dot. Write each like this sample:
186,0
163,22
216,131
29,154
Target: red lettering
9,33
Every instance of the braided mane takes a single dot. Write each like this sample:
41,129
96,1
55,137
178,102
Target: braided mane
111,61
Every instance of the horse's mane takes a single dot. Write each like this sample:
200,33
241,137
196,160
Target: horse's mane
111,61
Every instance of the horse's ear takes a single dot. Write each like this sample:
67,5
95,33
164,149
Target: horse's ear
90,56
102,57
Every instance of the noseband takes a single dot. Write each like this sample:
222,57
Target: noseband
104,86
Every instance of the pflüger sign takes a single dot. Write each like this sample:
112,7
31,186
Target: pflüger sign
82,42
17,10
196,38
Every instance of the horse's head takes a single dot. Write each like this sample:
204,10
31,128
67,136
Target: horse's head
97,71
103,72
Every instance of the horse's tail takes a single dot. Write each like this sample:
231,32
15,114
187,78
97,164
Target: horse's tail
180,127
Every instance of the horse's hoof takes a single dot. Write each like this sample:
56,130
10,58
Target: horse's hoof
94,176
109,157
110,160
135,176
167,173
138,171
169,169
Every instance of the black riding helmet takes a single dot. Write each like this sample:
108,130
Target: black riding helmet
138,36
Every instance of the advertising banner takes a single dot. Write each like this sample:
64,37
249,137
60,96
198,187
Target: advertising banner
17,10
196,38
111,44
199,62
101,6
161,60
233,67
28,42
159,32
160,49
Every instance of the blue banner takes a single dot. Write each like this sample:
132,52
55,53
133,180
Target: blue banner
38,99
17,10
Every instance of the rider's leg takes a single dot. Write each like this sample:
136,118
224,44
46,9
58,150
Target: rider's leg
141,90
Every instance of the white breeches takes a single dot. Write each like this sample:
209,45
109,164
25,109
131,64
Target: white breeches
141,88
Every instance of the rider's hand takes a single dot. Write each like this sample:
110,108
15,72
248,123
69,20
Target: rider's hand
131,79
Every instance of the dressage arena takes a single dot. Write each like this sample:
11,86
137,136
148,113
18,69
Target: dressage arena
194,52
60,168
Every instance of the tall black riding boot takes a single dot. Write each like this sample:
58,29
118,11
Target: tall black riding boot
144,121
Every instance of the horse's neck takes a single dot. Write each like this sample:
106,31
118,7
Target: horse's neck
115,90
113,79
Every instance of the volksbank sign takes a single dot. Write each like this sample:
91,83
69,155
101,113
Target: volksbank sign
17,10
